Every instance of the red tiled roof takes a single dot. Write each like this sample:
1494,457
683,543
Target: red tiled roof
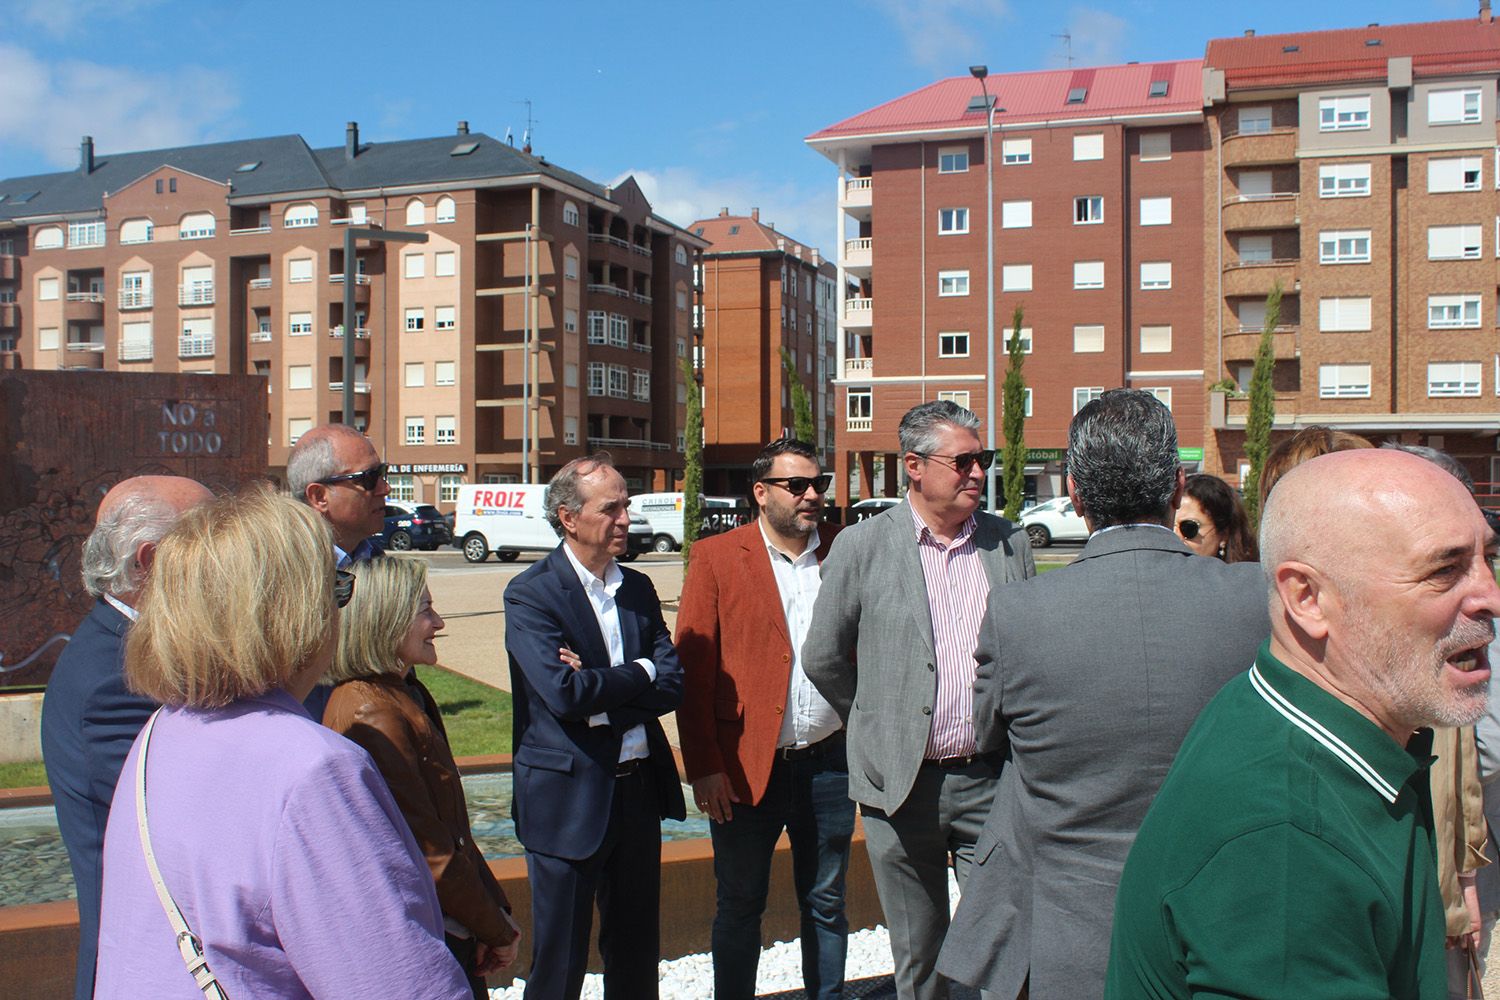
750,236
1034,96
1436,48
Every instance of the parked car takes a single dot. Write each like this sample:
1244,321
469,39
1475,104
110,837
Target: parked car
664,513
870,507
508,520
1054,521
414,526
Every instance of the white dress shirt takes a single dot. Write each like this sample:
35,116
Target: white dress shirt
808,717
601,594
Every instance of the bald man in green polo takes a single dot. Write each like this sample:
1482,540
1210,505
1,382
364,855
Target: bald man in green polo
1290,852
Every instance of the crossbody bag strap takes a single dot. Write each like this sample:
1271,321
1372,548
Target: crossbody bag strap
188,944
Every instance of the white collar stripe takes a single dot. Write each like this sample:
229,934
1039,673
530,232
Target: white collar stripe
1315,729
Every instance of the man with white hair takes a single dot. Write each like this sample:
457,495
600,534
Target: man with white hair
1290,851
89,718
336,471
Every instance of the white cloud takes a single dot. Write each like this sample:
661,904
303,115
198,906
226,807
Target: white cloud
60,18
48,106
1098,36
944,35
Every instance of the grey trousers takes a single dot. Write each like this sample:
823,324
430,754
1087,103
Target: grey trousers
910,851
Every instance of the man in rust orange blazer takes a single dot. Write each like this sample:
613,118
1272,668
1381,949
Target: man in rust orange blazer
763,749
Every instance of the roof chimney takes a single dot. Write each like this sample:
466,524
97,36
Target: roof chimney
463,127
1249,32
86,156
755,214
351,140
1485,16
724,212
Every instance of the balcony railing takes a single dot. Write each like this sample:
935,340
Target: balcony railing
1230,265
858,367
136,350
260,282
135,299
858,423
260,336
623,293
86,297
195,347
251,231
603,442
642,298
858,184
360,332
359,387
199,293
613,241
865,244
338,279
91,346
643,251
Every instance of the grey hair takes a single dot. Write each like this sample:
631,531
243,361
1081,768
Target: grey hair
1441,459
565,488
920,426
1122,455
109,565
310,461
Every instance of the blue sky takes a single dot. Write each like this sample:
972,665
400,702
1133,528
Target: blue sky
706,103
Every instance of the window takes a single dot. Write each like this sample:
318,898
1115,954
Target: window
414,265
961,397
1088,147
1088,339
416,432
85,234
1156,146
444,317
1088,274
950,220
298,216
953,345
416,212
596,378
136,231
299,324
1156,274
952,283
1460,173
1255,121
445,430
197,226
679,254
570,432
1342,315
1084,395
1015,277
1015,214
598,327
447,211
1025,340
448,485
861,404
1255,249
1452,242
1077,95
359,215
299,269
682,301
299,377
1343,381
1349,247
953,160
1344,180
416,319
1453,378
1088,210
402,487
1452,312
1342,114
570,321
443,373
135,341
619,330
640,384
444,263
570,214
416,374
197,338
46,338
619,381
570,375
570,266
296,426
1453,107
1014,152
1158,88
46,289
1156,339
1156,211
49,238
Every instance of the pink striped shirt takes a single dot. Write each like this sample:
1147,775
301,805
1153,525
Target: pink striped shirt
958,591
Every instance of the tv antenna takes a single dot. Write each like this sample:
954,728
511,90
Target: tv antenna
531,123
1067,40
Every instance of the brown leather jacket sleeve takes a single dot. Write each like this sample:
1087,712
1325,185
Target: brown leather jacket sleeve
418,766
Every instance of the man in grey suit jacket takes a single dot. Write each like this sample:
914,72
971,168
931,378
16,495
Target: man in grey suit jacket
892,649
1115,657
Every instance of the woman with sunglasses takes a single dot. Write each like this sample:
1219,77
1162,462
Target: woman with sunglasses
380,704
275,841
1212,521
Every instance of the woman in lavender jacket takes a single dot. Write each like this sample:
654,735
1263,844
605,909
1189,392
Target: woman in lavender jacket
277,838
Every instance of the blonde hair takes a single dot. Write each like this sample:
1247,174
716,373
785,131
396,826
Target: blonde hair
387,594
238,601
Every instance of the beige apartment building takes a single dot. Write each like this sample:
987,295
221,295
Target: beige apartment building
538,293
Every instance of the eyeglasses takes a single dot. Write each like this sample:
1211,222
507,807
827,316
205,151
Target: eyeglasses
797,485
366,480
963,463
1188,528
343,587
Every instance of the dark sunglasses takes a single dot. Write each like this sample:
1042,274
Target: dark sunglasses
963,463
797,485
366,480
1188,528
343,587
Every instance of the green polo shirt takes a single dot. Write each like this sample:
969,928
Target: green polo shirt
1288,854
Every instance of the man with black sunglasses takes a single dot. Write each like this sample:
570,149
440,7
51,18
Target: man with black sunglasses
892,649
334,469
762,748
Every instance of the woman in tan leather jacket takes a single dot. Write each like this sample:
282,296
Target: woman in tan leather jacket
380,704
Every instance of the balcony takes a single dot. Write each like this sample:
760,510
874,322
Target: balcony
9,268
855,424
260,336
859,368
1226,411
10,315
641,346
858,197
360,388
859,255
1272,211
84,307
1241,343
614,443
252,231
195,347
199,293
136,350
260,283
609,240
859,313
636,248
338,279
623,293
1244,149
1256,277
135,298
360,332
84,354
642,298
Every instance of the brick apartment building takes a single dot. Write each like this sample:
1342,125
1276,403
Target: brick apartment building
1356,168
1098,203
229,258
762,291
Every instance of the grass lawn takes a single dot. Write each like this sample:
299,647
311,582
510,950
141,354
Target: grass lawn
22,775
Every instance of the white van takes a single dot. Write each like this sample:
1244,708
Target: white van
507,519
663,511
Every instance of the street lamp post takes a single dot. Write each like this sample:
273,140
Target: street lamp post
351,331
988,104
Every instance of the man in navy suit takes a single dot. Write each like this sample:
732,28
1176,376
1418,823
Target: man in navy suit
89,719
592,667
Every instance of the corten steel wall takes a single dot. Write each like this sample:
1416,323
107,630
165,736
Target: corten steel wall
65,439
